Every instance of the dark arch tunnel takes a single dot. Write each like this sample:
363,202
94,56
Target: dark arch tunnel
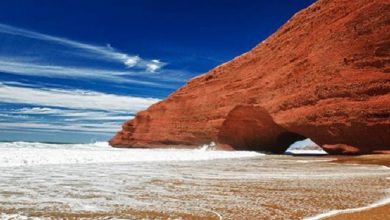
249,127
288,138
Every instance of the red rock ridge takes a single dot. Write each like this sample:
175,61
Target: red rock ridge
324,75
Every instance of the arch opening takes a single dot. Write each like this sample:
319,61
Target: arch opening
305,147
249,127
287,138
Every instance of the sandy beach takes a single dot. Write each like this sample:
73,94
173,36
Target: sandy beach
380,212
375,159
94,181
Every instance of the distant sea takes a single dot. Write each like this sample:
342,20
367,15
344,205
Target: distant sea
95,181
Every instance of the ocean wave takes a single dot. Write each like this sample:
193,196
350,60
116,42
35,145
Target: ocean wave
27,154
304,151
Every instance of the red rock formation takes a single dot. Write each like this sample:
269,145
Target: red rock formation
324,75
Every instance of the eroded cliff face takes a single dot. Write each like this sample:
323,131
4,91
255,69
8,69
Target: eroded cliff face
324,75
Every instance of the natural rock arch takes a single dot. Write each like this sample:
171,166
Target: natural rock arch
318,76
249,127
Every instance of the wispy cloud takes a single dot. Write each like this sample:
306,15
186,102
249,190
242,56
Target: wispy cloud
56,57
153,65
47,119
31,103
67,110
12,116
8,65
38,111
77,99
103,52
88,128
72,114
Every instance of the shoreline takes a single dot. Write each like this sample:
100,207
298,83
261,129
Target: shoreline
316,194
379,209
373,159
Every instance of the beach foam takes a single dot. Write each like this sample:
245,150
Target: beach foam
378,203
26,154
225,188
312,152
4,216
381,202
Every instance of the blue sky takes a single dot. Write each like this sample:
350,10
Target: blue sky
74,71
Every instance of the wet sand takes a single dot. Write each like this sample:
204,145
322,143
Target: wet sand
265,187
41,181
377,213
375,159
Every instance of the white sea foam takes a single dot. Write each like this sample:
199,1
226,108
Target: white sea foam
314,161
345,211
27,154
206,147
386,167
4,216
313,152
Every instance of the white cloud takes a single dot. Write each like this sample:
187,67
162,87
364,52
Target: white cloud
14,83
132,61
76,110
102,117
38,111
103,52
91,121
154,65
74,114
25,68
91,128
13,116
73,110
77,99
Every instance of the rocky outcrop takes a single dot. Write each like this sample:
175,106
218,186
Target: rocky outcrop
324,75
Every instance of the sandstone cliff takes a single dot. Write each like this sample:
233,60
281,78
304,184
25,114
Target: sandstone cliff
324,75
